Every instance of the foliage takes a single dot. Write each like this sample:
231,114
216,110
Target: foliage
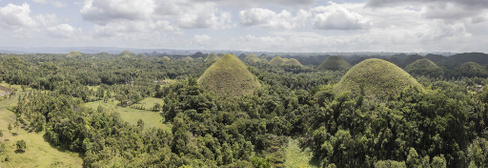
21,146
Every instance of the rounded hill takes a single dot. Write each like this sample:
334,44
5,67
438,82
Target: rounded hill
292,61
251,58
277,61
228,77
211,58
187,59
472,69
377,78
424,67
335,63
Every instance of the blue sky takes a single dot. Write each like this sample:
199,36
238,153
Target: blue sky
251,25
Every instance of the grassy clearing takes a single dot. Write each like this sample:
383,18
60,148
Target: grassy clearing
150,118
39,153
296,157
148,103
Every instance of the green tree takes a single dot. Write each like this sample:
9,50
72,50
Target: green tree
140,124
1,133
9,127
21,145
438,162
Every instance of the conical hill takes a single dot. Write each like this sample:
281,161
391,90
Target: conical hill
424,67
377,78
228,77
335,63
211,58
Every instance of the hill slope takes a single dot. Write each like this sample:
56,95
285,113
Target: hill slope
424,67
211,58
228,77
335,63
378,78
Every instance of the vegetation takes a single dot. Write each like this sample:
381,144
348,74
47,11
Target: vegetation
472,69
251,58
278,61
424,67
111,110
229,77
376,78
335,63
211,58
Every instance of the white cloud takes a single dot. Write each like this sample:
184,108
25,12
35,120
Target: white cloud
201,39
259,17
62,30
261,3
337,17
102,12
55,3
14,16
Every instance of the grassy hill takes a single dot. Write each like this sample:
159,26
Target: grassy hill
211,58
335,63
277,61
251,58
188,59
378,78
472,69
228,76
424,67
73,54
292,61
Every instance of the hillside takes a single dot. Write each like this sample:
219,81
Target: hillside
228,76
472,69
251,58
211,58
335,63
292,61
378,78
424,67
276,61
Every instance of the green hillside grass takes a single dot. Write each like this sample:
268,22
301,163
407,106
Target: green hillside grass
424,67
39,153
73,54
292,61
188,59
211,58
472,69
276,61
378,78
335,63
297,157
228,77
131,115
251,58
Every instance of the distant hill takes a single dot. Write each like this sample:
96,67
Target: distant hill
479,58
278,61
211,58
251,58
228,77
438,59
472,69
424,67
188,59
335,63
377,77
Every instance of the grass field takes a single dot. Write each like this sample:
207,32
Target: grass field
150,118
148,103
296,157
39,153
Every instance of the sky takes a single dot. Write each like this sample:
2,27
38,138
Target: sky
249,25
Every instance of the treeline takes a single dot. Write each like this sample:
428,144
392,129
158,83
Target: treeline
443,125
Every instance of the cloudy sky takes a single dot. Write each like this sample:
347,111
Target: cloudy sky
251,25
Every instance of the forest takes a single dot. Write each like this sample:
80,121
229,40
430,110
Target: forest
341,112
